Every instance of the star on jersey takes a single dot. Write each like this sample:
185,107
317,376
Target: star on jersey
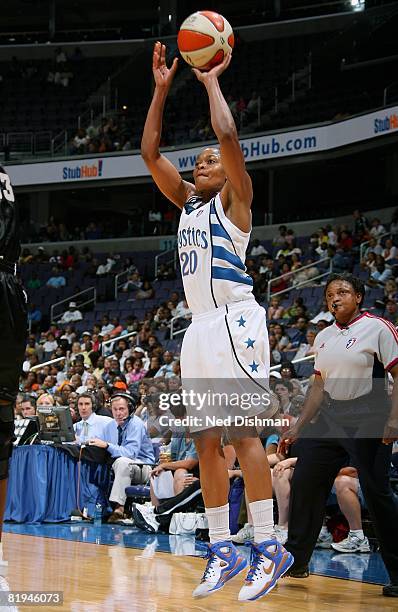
241,321
254,366
250,343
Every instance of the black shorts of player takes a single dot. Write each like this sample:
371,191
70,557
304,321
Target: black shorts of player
13,331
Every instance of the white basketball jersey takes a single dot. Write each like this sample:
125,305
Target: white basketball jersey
212,252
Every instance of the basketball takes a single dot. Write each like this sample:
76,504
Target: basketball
205,37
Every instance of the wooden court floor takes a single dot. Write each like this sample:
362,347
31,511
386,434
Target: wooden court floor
97,578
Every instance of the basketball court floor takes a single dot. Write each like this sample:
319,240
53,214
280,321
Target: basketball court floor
116,568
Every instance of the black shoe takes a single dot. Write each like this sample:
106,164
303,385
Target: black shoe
297,571
390,590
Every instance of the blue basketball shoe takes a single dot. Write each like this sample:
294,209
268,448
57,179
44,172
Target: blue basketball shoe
224,562
269,561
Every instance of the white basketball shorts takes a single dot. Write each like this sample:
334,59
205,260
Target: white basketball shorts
225,365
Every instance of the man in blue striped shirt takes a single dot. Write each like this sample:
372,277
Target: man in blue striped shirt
127,441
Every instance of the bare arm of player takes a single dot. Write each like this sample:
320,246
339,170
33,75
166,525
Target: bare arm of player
391,428
310,408
165,175
237,194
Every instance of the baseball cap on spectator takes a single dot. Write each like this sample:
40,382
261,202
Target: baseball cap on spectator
119,384
86,333
72,305
138,349
275,374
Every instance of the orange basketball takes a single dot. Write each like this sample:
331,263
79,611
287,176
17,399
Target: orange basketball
204,39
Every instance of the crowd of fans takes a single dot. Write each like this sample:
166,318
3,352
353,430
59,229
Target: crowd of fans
134,355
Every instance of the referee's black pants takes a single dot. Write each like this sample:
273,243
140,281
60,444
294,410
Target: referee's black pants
318,463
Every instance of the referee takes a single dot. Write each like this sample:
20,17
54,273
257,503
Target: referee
357,422
13,327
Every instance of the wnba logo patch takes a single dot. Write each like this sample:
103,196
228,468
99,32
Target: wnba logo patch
350,342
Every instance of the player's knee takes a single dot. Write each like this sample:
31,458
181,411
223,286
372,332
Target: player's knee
343,483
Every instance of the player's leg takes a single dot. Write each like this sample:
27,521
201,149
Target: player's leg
269,560
223,560
13,330
347,488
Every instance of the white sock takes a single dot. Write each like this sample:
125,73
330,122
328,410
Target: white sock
324,531
358,533
263,519
218,519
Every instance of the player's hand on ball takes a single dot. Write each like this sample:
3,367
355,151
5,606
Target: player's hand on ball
203,77
163,76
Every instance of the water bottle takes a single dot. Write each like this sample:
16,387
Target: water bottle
98,515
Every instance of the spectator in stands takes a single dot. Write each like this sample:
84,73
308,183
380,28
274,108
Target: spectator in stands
34,317
166,369
133,282
275,354
394,226
345,242
280,240
275,310
361,224
374,247
340,261
117,327
391,289
377,229
138,371
107,327
28,406
153,367
253,106
106,266
307,348
391,311
283,342
288,371
80,142
56,281
49,346
127,441
72,314
46,399
34,282
390,251
257,249
284,391
380,276
146,292
91,425
67,260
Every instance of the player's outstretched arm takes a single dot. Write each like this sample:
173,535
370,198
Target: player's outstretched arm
223,124
165,175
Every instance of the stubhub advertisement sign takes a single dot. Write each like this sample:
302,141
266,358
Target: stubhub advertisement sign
75,172
262,147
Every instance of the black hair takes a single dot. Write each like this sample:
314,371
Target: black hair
289,365
354,281
284,383
91,396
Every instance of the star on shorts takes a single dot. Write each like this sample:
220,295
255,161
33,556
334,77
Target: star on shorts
254,366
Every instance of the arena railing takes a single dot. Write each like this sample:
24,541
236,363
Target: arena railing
72,298
294,361
47,363
365,244
118,284
178,331
172,259
113,340
309,281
